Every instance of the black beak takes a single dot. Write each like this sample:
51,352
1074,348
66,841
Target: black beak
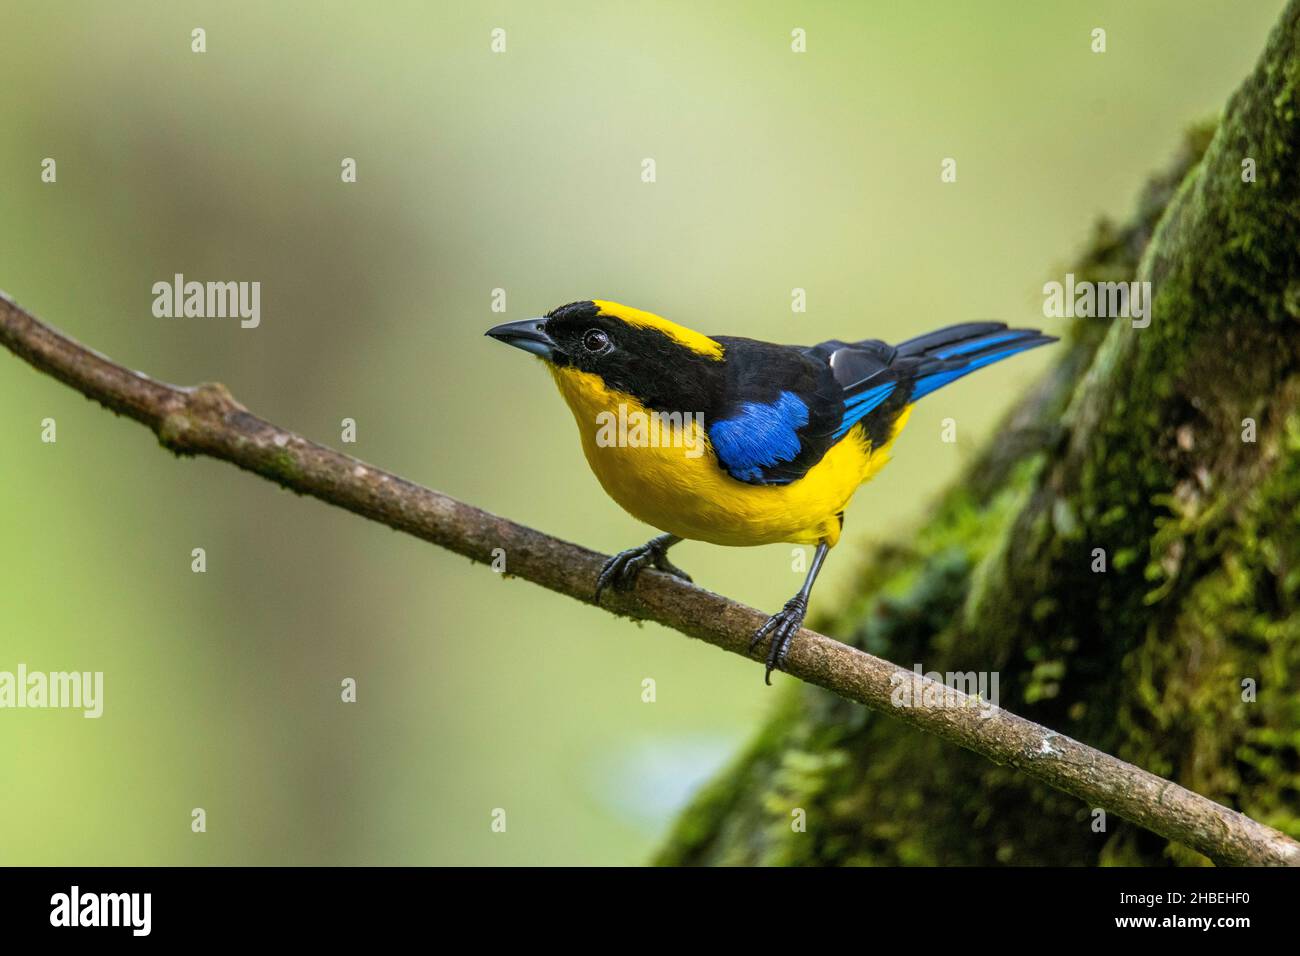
529,335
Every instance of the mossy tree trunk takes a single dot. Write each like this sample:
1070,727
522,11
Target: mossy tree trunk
1137,443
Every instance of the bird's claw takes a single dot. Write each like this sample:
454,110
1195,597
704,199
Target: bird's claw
621,570
667,567
782,626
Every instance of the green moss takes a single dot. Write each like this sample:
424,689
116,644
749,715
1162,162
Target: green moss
281,467
1145,660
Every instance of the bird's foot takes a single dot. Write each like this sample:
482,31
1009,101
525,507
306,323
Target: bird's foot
782,626
620,571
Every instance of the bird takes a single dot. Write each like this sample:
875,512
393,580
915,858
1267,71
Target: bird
735,441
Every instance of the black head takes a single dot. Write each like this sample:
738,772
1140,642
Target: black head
664,365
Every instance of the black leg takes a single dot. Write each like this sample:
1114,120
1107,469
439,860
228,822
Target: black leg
784,625
621,570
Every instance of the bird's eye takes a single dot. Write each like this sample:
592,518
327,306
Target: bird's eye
595,340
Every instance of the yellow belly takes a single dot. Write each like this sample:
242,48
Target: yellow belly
692,497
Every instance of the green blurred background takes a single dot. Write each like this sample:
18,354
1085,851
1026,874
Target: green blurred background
477,171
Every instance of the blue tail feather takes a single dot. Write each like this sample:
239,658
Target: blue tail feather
979,343
922,365
927,383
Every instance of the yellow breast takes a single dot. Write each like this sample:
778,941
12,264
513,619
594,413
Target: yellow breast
664,472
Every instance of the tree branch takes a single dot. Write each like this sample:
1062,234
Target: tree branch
206,420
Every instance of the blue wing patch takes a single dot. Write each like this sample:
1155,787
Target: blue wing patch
759,436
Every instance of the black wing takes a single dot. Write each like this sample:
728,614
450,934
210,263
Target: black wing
778,414
786,406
